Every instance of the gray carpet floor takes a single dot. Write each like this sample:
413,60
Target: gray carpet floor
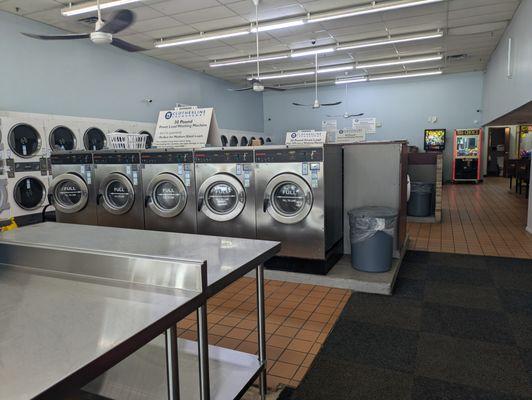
457,328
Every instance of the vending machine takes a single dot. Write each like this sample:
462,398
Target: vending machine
467,155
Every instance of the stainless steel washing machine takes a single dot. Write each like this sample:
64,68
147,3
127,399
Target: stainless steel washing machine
119,201
169,190
225,192
299,202
72,190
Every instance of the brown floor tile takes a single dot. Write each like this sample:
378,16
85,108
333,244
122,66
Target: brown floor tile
279,341
284,370
286,331
229,343
300,345
292,357
238,333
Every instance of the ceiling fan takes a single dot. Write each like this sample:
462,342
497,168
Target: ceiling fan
256,84
103,33
346,114
317,103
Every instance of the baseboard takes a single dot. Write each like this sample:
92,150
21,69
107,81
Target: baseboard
529,229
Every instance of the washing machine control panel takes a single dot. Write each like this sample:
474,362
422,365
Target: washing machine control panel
224,157
116,158
289,155
71,159
167,157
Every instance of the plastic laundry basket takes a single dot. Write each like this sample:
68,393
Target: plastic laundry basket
420,203
372,233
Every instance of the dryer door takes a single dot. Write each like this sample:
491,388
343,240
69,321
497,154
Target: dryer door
94,139
24,140
288,198
221,197
118,193
62,138
70,193
29,193
166,195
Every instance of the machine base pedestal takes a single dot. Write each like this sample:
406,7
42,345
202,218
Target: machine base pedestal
308,266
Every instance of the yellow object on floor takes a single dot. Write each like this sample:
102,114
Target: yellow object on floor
12,225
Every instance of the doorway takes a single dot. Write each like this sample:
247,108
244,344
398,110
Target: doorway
498,151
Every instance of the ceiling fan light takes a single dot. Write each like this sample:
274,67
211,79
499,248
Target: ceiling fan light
92,6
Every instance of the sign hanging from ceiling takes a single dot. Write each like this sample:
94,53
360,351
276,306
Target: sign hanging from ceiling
189,127
306,137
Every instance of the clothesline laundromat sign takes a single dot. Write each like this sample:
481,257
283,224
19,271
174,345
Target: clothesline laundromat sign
189,127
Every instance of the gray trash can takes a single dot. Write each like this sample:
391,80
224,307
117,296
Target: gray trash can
420,203
372,233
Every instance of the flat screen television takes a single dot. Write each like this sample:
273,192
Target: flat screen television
435,139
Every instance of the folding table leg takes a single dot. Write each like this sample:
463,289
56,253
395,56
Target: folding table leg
172,368
203,353
261,316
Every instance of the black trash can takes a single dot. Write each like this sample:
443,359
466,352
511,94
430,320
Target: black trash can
420,203
372,233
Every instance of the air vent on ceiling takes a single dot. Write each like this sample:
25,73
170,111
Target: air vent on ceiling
456,57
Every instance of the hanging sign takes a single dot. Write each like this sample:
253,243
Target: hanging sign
188,127
368,125
306,137
350,136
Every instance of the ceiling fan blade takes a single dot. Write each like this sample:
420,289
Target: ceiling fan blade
355,115
118,22
71,36
126,46
274,88
331,104
241,89
302,105
334,116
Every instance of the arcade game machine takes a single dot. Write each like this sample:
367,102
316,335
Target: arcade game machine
467,155
434,140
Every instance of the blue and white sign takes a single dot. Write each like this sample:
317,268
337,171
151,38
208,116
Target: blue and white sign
306,137
189,127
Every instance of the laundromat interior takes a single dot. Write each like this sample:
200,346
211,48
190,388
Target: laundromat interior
265,199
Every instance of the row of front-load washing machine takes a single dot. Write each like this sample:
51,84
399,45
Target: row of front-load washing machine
26,141
289,194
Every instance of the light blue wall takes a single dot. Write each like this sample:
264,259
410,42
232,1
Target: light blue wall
501,94
403,107
81,79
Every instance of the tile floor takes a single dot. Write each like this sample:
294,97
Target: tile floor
485,219
299,318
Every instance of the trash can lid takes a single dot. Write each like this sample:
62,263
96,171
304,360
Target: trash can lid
373,212
421,187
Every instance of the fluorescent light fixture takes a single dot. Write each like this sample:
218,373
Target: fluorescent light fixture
311,52
368,9
335,69
278,25
353,79
202,37
249,60
390,40
404,75
309,72
91,6
406,60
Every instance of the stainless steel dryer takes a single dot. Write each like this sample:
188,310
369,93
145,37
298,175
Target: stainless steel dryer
119,201
72,190
225,192
299,202
169,190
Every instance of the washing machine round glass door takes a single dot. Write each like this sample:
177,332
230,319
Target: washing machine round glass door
62,138
149,139
94,139
288,198
70,193
167,195
118,193
24,140
221,197
29,193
